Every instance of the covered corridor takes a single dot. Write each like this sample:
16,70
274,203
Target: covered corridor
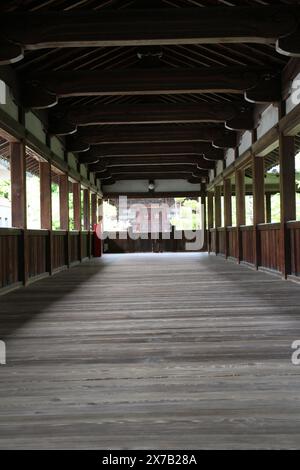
190,353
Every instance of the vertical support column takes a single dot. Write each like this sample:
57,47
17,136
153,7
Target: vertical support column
258,169
18,184
46,209
77,206
64,201
64,213
210,216
240,209
46,203
94,209
218,215
86,218
19,205
203,207
86,209
287,198
77,215
227,211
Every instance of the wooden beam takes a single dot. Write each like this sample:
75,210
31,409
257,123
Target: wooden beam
46,195
156,134
192,169
163,148
64,120
154,176
268,90
18,184
153,160
34,30
52,85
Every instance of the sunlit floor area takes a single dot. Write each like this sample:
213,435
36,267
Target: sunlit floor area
169,351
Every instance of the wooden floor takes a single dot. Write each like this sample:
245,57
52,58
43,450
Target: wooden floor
151,351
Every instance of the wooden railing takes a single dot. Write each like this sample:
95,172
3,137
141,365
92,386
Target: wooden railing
29,254
246,235
221,240
10,249
232,242
258,246
269,246
294,238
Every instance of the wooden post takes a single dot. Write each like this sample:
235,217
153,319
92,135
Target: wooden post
46,209
77,206
45,194
227,211
18,184
93,209
227,203
287,198
240,195
86,209
210,216
77,215
258,169
64,201
218,215
19,204
64,212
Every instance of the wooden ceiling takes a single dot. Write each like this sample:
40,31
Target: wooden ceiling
161,89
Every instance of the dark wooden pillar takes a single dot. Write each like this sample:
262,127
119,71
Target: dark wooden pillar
227,211
204,217
218,215
240,210
86,209
18,184
77,206
210,217
19,204
268,208
77,215
46,202
287,198
258,170
218,210
227,203
240,197
93,209
64,201
46,208
64,213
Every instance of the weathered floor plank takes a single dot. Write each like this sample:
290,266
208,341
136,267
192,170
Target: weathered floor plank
164,351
